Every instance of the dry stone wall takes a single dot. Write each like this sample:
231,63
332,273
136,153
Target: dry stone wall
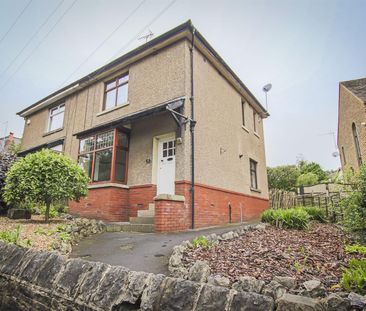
33,280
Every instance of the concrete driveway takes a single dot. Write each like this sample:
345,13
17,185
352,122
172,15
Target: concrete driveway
147,252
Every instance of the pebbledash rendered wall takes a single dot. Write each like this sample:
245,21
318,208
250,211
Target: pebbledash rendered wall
42,281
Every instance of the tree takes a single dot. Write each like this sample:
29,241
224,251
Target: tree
312,167
283,177
6,160
307,179
45,177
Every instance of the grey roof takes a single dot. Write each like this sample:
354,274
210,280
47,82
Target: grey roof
357,87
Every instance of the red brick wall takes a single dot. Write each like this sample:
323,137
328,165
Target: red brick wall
212,204
113,203
171,216
110,204
139,198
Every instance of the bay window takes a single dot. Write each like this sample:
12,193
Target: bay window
104,156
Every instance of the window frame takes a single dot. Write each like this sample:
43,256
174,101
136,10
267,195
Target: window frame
255,172
51,115
116,87
114,152
357,144
243,104
254,122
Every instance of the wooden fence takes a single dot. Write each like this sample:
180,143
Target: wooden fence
327,200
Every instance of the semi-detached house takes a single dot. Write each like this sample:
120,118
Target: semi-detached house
167,129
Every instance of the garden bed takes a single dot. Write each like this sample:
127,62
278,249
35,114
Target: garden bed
59,234
316,253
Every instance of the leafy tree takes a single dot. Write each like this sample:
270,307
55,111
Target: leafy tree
45,177
6,160
307,179
312,167
283,177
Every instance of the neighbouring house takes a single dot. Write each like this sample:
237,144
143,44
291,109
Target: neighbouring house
166,131
352,123
7,141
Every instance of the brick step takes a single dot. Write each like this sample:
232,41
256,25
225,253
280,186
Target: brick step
142,220
129,227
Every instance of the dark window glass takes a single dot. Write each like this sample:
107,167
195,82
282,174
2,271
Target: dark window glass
254,121
116,92
357,144
120,165
253,174
122,139
86,162
243,112
103,165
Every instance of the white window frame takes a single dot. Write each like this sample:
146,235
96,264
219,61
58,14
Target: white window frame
54,111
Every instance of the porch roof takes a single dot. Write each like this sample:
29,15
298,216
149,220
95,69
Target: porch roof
132,117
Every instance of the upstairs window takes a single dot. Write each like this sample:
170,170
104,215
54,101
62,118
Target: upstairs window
253,174
104,156
243,104
254,121
357,144
116,92
56,118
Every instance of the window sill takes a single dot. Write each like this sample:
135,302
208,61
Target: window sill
245,128
52,132
107,185
256,134
255,190
112,109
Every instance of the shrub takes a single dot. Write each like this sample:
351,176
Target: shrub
315,213
354,213
200,241
6,160
354,277
356,249
292,218
45,178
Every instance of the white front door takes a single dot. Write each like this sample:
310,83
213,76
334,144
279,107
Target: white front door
166,166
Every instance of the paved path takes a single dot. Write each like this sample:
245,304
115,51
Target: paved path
147,252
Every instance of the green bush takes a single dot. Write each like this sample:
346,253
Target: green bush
354,214
292,218
6,161
201,241
354,277
45,178
356,249
315,213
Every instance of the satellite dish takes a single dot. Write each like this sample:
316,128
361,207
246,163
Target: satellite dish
335,154
267,87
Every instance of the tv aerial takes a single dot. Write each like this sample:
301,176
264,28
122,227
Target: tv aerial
147,37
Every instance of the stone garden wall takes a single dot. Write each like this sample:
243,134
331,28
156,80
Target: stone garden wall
33,280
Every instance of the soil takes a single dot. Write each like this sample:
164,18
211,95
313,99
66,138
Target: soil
36,230
316,253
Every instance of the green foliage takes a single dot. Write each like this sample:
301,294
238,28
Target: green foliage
306,167
45,177
354,277
6,161
201,241
11,236
356,249
315,213
292,218
354,215
307,179
14,148
283,177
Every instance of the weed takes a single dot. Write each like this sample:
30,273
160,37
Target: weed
356,249
201,241
354,277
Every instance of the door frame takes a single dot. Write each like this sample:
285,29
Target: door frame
155,166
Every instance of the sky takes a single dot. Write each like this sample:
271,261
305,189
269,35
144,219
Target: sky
304,48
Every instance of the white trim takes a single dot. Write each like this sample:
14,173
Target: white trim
107,185
113,108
